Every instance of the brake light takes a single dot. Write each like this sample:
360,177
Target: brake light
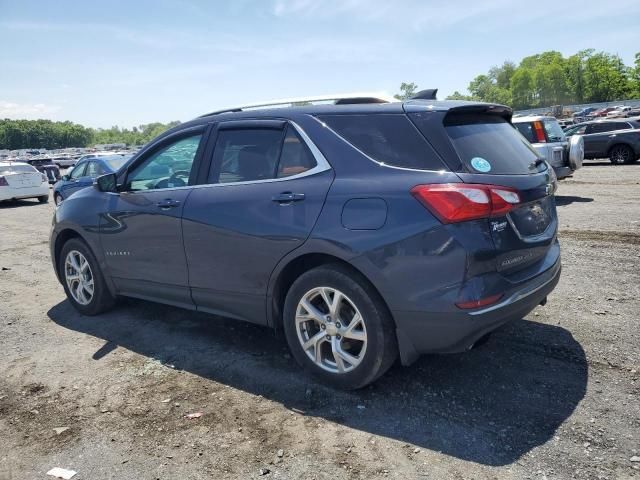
460,202
483,302
3,182
539,131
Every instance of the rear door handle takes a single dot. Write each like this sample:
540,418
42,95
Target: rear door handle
168,203
288,197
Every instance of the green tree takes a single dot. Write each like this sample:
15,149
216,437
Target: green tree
605,78
459,96
406,90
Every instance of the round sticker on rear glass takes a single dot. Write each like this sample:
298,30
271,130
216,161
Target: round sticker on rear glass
480,164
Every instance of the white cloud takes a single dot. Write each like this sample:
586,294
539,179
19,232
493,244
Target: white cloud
27,111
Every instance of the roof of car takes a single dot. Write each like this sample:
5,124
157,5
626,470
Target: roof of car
353,108
417,105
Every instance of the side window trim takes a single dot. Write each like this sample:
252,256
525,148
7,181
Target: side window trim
202,130
322,164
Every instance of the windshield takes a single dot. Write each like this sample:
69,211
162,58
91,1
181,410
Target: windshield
490,144
553,130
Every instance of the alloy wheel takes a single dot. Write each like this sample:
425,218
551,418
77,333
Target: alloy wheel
79,278
331,330
620,155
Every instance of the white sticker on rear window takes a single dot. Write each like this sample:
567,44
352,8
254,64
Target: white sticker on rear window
480,164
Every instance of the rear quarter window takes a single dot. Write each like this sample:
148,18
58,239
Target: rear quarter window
386,138
490,144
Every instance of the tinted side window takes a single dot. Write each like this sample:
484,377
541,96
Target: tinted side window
526,129
246,154
603,127
387,138
295,157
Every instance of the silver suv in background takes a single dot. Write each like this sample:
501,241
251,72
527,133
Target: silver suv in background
546,136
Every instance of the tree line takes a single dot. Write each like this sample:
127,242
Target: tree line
22,134
548,78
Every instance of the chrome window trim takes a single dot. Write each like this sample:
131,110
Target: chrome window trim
322,165
381,164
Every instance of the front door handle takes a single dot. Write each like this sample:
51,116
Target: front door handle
288,197
168,203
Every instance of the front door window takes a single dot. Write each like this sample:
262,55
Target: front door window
169,167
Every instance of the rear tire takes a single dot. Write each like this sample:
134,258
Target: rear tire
355,340
621,154
90,295
43,199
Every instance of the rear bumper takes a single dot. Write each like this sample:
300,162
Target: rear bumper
563,172
8,193
427,332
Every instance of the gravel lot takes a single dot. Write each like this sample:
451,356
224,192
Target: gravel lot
554,395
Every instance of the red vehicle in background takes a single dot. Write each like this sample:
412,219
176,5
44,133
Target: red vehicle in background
603,112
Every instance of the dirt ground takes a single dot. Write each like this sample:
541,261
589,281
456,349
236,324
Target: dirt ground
552,396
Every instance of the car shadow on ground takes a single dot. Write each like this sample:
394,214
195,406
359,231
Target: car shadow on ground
6,204
490,405
562,200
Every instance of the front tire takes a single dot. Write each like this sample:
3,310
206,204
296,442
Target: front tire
621,154
338,328
82,279
57,199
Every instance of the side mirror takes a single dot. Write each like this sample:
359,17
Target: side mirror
106,183
64,177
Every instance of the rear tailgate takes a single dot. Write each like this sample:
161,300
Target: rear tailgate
482,147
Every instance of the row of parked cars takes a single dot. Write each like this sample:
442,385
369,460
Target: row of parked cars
24,179
615,139
619,111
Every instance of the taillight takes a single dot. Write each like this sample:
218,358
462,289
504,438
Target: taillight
3,182
483,302
459,202
539,131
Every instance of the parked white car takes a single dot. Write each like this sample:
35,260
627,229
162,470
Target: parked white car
621,111
20,180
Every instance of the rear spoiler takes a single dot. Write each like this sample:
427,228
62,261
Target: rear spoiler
484,108
429,94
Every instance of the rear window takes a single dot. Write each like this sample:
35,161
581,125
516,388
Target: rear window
490,144
9,169
387,138
553,130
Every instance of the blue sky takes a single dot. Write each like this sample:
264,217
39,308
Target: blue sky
104,63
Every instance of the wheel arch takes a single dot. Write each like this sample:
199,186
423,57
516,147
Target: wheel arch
619,143
63,237
289,272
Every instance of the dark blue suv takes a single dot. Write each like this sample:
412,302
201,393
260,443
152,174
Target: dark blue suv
364,230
